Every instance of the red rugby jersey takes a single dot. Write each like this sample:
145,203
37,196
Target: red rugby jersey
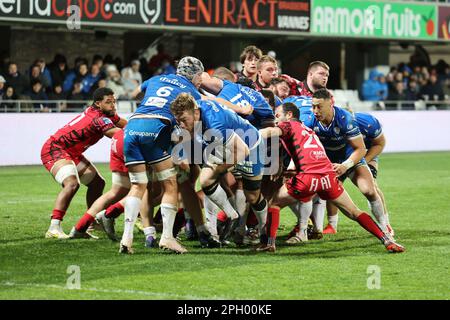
84,130
305,148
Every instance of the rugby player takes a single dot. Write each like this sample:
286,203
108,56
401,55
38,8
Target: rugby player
315,174
62,155
249,59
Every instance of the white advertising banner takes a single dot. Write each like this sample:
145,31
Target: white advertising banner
22,135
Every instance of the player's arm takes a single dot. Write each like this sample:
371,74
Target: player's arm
245,110
359,150
211,84
110,133
377,147
270,132
122,123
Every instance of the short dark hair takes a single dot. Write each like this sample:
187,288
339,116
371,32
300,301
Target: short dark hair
250,51
322,93
100,93
278,80
289,106
246,82
269,95
315,64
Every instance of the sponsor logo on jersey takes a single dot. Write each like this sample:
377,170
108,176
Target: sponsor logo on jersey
107,121
337,130
318,154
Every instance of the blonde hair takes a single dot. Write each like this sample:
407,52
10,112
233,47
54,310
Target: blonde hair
265,59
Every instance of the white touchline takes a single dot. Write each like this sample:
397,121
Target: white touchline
135,292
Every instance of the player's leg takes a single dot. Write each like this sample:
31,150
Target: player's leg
146,213
373,166
91,178
333,218
166,174
363,179
120,187
192,205
347,206
65,173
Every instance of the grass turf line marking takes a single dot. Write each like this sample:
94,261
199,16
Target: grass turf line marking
119,291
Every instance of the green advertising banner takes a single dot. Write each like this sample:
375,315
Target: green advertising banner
374,19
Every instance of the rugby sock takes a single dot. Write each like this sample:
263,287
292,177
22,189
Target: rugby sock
305,213
333,221
150,231
273,221
370,225
217,195
211,211
240,202
295,209
168,213
251,220
114,210
58,214
378,211
186,214
221,216
260,211
132,206
84,223
318,213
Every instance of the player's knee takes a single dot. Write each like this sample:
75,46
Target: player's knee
71,185
370,193
253,197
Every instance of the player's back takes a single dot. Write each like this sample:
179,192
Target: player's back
305,148
369,126
242,96
304,105
222,122
84,130
160,91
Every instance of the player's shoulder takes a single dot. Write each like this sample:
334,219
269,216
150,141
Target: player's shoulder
366,118
343,116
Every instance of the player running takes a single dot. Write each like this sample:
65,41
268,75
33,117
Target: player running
315,174
62,155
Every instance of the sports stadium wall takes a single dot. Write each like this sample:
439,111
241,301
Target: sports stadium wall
22,135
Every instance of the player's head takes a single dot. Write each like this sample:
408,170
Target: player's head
287,112
269,96
267,69
249,58
318,73
322,104
191,68
185,110
105,100
224,74
280,87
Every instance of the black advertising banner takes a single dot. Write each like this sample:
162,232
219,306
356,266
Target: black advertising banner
289,15
90,12
283,15
444,23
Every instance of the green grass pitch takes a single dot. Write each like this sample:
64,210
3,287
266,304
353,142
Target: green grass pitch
417,189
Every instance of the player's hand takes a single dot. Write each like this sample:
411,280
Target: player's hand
184,165
340,169
246,110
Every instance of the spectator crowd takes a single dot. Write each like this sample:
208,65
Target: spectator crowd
41,84
408,84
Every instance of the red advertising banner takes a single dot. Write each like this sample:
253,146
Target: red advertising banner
289,15
444,23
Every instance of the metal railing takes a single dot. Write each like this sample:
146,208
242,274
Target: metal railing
22,106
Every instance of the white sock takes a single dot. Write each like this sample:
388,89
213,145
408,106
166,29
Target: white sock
387,218
55,224
149,231
333,221
168,213
232,201
241,204
378,211
219,197
318,213
132,206
305,213
211,210
261,216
